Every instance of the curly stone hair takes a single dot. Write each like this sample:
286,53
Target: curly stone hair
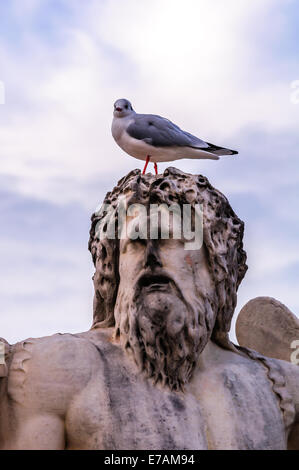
222,237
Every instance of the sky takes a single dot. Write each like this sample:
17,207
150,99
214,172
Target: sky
225,71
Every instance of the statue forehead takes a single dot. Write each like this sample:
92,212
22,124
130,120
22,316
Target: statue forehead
152,208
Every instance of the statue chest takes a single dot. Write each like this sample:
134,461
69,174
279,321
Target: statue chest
120,409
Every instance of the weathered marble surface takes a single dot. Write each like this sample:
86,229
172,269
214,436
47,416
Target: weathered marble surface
157,369
84,392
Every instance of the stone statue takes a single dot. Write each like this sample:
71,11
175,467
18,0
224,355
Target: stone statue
157,369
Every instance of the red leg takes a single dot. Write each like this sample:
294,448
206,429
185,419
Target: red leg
146,163
156,168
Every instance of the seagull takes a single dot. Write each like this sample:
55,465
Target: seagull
149,137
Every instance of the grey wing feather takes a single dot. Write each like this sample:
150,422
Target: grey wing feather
160,132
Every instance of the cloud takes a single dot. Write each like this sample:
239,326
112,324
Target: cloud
46,269
195,65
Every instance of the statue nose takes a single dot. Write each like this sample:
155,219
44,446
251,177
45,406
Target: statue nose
152,257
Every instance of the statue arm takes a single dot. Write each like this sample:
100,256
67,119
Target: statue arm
294,434
45,375
269,327
28,421
35,431
292,381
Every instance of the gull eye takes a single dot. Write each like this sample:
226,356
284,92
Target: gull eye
126,106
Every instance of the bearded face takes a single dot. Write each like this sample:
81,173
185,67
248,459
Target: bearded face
164,310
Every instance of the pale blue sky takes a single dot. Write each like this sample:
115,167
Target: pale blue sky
222,70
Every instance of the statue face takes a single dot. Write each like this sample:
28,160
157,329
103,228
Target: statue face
164,304
152,266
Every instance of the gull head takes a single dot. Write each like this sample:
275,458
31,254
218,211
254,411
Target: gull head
122,108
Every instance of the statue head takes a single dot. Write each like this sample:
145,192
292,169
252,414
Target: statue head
164,300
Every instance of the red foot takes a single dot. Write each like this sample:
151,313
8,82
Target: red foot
146,163
156,168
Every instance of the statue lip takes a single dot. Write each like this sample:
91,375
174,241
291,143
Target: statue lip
154,281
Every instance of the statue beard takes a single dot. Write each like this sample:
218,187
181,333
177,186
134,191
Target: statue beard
165,333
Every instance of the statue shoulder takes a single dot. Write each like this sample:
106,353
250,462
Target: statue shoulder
284,377
266,325
290,373
42,368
